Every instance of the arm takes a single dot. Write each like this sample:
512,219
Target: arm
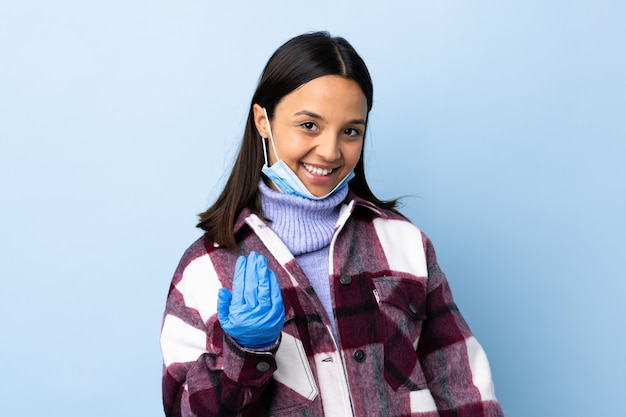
453,361
206,372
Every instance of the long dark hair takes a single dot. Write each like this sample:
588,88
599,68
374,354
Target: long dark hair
298,61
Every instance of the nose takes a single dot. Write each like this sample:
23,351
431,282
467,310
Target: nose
328,147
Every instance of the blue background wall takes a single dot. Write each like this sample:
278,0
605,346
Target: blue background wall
502,121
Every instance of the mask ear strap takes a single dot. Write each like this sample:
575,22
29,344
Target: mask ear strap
269,128
264,151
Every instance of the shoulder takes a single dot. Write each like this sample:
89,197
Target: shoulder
197,249
196,257
393,229
383,219
203,269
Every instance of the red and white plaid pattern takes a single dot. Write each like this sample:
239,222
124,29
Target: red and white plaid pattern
405,348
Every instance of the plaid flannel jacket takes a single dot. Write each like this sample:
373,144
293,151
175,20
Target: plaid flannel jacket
405,350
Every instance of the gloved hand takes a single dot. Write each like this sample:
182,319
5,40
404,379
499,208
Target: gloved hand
253,314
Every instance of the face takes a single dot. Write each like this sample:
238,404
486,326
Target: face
318,131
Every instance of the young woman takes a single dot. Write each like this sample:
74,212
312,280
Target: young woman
307,295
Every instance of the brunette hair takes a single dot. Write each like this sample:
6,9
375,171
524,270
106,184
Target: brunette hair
296,62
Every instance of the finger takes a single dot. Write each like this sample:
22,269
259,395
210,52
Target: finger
264,282
275,294
252,282
223,305
278,309
238,283
276,314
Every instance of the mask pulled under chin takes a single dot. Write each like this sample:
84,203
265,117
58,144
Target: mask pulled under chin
288,182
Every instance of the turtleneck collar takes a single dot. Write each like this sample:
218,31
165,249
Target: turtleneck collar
303,225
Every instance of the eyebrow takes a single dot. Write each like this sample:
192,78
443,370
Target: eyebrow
318,117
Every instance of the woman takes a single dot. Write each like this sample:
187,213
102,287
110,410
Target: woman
307,295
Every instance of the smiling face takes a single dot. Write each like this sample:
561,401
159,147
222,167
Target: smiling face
318,131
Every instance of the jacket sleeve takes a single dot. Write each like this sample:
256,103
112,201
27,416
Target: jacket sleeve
453,361
206,373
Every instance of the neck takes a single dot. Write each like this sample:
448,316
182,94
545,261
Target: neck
303,225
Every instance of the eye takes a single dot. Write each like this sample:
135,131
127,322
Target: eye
308,125
352,132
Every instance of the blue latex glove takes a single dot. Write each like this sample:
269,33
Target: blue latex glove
254,314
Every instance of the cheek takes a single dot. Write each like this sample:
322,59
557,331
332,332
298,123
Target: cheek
278,147
353,154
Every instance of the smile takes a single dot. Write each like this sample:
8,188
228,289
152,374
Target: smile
316,171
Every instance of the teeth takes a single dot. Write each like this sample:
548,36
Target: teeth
317,171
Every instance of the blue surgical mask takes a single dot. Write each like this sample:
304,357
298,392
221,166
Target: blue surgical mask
285,179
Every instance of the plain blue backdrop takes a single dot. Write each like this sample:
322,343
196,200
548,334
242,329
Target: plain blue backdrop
503,122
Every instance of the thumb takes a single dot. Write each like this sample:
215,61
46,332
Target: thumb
223,304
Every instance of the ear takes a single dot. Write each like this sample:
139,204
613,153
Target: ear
260,121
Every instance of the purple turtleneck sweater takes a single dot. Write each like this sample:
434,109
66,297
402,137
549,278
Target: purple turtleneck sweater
306,227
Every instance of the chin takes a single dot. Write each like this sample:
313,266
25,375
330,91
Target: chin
320,193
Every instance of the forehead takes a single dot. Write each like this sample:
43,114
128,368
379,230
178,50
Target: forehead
328,95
